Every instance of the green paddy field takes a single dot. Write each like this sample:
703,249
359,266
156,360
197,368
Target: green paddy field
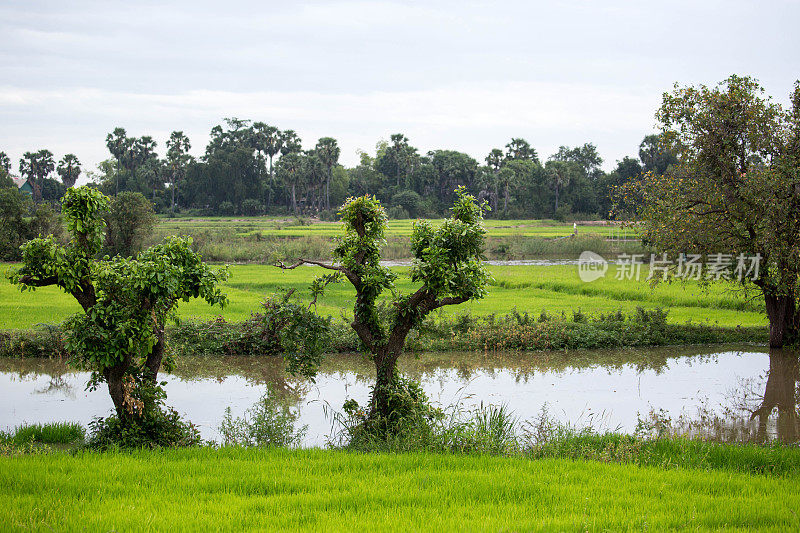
526,289
299,227
204,489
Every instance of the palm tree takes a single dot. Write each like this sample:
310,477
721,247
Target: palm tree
290,169
560,174
178,157
35,167
117,142
69,168
328,152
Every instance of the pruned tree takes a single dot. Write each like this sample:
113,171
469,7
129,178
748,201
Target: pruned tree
447,265
126,301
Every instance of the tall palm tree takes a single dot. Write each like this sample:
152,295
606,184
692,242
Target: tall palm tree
328,151
69,168
178,157
117,142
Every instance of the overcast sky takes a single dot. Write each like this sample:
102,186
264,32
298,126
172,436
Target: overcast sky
456,75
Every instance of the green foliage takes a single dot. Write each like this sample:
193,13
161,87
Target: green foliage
268,423
135,298
129,221
448,258
159,429
51,433
21,220
734,189
288,329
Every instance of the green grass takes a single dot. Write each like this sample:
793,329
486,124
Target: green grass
293,227
52,433
236,489
531,289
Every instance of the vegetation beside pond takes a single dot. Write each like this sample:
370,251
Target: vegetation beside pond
466,332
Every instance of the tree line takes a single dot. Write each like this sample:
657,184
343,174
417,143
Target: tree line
252,168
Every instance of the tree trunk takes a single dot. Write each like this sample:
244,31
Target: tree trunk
327,191
153,362
784,320
556,209
172,207
385,369
294,200
116,389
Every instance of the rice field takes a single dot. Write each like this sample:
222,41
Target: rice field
301,227
321,490
526,289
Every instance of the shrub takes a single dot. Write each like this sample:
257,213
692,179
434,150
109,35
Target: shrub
42,341
21,220
129,222
154,426
397,213
252,207
269,423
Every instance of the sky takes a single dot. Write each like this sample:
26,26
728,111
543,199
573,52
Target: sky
460,75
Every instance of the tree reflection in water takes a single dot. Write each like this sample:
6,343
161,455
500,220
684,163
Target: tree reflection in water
780,392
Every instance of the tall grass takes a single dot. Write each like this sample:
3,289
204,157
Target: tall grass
274,489
50,433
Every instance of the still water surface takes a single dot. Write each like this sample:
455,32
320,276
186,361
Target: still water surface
608,389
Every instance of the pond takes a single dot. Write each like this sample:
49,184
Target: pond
605,389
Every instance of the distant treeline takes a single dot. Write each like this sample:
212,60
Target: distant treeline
252,168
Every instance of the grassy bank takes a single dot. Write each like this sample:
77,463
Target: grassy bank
526,289
512,332
227,489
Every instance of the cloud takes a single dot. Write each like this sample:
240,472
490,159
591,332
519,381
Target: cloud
470,117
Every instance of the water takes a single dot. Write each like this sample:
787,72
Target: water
608,389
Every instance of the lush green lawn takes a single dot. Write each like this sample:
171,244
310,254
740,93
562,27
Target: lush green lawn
235,489
531,289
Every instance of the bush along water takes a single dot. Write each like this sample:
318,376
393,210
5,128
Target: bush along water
263,334
269,423
150,425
